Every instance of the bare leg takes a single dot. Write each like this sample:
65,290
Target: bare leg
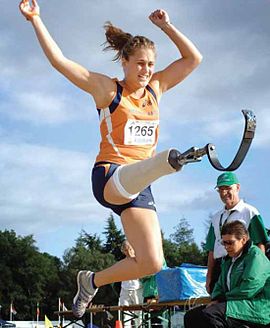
142,230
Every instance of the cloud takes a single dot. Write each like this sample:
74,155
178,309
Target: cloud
185,193
40,108
43,187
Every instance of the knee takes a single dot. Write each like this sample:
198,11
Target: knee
150,265
155,265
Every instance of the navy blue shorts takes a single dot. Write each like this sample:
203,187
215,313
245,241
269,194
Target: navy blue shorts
145,198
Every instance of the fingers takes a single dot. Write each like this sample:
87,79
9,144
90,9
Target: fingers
157,14
23,4
29,10
153,16
159,17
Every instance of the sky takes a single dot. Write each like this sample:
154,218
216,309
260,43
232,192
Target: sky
49,130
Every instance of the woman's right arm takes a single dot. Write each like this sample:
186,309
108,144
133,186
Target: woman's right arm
100,86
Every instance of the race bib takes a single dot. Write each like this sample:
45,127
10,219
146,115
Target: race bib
140,132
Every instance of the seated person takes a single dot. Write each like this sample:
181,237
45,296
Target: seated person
241,297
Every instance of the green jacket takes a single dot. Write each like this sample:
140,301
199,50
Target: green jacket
249,295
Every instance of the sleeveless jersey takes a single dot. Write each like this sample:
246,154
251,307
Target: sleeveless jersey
129,127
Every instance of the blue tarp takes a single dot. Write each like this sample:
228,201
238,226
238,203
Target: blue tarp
182,283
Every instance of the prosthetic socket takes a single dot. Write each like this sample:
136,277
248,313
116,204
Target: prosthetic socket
131,179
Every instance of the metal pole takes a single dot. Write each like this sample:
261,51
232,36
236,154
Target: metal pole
91,320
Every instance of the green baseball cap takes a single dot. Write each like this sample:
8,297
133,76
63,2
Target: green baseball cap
227,179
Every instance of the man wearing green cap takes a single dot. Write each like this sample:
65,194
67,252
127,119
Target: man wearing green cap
235,208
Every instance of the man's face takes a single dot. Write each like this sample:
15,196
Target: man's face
229,195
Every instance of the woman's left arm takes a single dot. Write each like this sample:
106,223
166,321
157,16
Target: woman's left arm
190,55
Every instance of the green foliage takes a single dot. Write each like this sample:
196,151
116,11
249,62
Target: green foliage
181,248
170,250
29,277
114,239
91,242
190,254
183,234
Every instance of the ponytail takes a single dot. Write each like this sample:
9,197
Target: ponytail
124,43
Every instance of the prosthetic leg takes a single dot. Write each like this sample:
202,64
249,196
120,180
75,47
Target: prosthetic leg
131,179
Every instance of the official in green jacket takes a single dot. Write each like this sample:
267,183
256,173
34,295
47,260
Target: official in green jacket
241,296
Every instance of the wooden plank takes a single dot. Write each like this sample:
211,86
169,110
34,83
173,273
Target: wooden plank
139,307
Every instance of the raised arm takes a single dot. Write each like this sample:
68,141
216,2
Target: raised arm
98,85
190,57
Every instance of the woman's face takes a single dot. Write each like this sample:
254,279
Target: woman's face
233,245
139,68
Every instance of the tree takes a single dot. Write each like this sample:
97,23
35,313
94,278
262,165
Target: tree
170,250
184,249
27,276
89,241
87,254
183,234
190,254
114,239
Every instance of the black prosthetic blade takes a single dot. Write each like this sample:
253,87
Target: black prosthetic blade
249,132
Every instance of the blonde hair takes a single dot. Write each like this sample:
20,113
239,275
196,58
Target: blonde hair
124,43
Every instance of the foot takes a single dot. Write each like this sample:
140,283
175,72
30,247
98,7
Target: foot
85,293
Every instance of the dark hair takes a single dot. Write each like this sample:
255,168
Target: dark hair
124,43
236,228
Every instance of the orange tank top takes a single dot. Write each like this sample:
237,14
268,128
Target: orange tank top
129,127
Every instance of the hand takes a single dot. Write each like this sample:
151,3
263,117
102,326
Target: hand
160,18
29,10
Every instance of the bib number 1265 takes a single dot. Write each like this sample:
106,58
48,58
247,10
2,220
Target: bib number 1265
140,132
